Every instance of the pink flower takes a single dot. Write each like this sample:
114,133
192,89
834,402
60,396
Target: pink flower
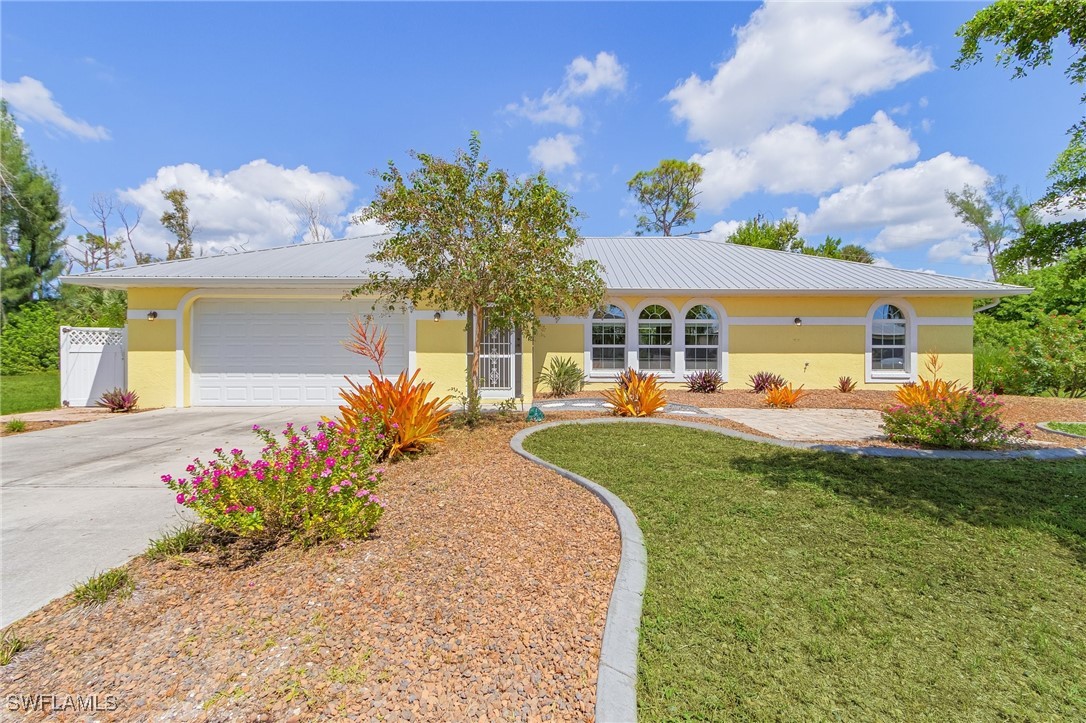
250,509
167,478
333,489
181,498
310,490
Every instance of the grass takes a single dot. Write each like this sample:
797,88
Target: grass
178,541
1071,427
100,588
795,585
10,644
14,426
29,392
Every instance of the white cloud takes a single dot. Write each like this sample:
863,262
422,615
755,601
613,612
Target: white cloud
721,230
32,101
556,153
797,62
796,158
959,250
583,78
909,204
250,207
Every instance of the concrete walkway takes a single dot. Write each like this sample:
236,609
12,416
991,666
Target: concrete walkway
81,499
809,425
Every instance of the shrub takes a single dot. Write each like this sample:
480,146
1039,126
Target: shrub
845,385
707,381
764,381
926,391
311,487
119,400
408,421
562,376
784,397
640,396
965,421
30,340
995,371
1053,356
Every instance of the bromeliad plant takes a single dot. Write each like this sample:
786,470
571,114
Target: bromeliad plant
562,376
927,391
636,395
706,381
119,400
764,381
310,486
784,397
965,421
408,419
845,385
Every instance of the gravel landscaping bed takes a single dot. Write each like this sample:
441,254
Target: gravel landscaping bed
1027,410
484,594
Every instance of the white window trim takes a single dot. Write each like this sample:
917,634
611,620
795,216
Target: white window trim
722,321
889,377
604,374
633,337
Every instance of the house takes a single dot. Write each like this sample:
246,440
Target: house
265,327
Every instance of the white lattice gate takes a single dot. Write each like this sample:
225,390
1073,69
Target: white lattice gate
92,361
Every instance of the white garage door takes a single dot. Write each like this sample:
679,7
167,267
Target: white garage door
268,352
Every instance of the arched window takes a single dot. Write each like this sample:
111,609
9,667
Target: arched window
702,338
654,332
608,339
889,341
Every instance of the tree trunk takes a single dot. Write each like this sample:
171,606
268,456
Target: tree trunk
476,345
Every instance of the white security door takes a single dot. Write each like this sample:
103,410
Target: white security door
496,357
256,352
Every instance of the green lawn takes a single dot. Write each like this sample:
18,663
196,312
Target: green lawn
794,585
1072,427
29,392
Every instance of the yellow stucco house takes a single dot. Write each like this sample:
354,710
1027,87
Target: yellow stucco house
265,327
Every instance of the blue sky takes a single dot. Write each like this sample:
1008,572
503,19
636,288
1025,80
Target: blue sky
846,116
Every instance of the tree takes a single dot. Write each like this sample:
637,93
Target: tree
30,222
993,214
834,248
177,221
469,239
1025,32
763,233
668,194
313,213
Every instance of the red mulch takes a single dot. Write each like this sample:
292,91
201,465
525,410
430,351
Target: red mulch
484,594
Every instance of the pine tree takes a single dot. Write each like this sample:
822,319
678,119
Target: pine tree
30,222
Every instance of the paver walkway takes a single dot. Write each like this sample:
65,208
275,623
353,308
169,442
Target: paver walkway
808,425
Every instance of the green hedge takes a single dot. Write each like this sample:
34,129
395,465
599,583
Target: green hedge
30,340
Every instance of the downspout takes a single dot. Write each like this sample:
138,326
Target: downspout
987,307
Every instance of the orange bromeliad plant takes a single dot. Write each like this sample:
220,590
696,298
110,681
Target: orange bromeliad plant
410,420
784,397
636,395
926,391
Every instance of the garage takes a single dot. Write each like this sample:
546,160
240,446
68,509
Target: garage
255,352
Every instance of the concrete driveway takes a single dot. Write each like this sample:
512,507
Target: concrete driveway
81,499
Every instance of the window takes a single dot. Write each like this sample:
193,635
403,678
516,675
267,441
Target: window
889,348
654,339
609,339
702,338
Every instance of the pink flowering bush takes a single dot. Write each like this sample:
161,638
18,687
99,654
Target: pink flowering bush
309,486
967,421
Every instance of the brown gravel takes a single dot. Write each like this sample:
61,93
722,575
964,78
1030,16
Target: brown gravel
483,597
36,426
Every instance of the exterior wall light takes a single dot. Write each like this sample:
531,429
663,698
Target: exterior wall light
797,321
437,316
152,315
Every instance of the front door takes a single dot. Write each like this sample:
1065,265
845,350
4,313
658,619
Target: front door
496,361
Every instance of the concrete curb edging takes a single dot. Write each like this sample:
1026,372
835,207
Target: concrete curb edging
1045,427
616,682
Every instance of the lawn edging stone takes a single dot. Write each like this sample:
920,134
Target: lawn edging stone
1045,426
616,682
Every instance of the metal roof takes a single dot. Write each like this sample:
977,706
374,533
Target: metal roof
631,264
